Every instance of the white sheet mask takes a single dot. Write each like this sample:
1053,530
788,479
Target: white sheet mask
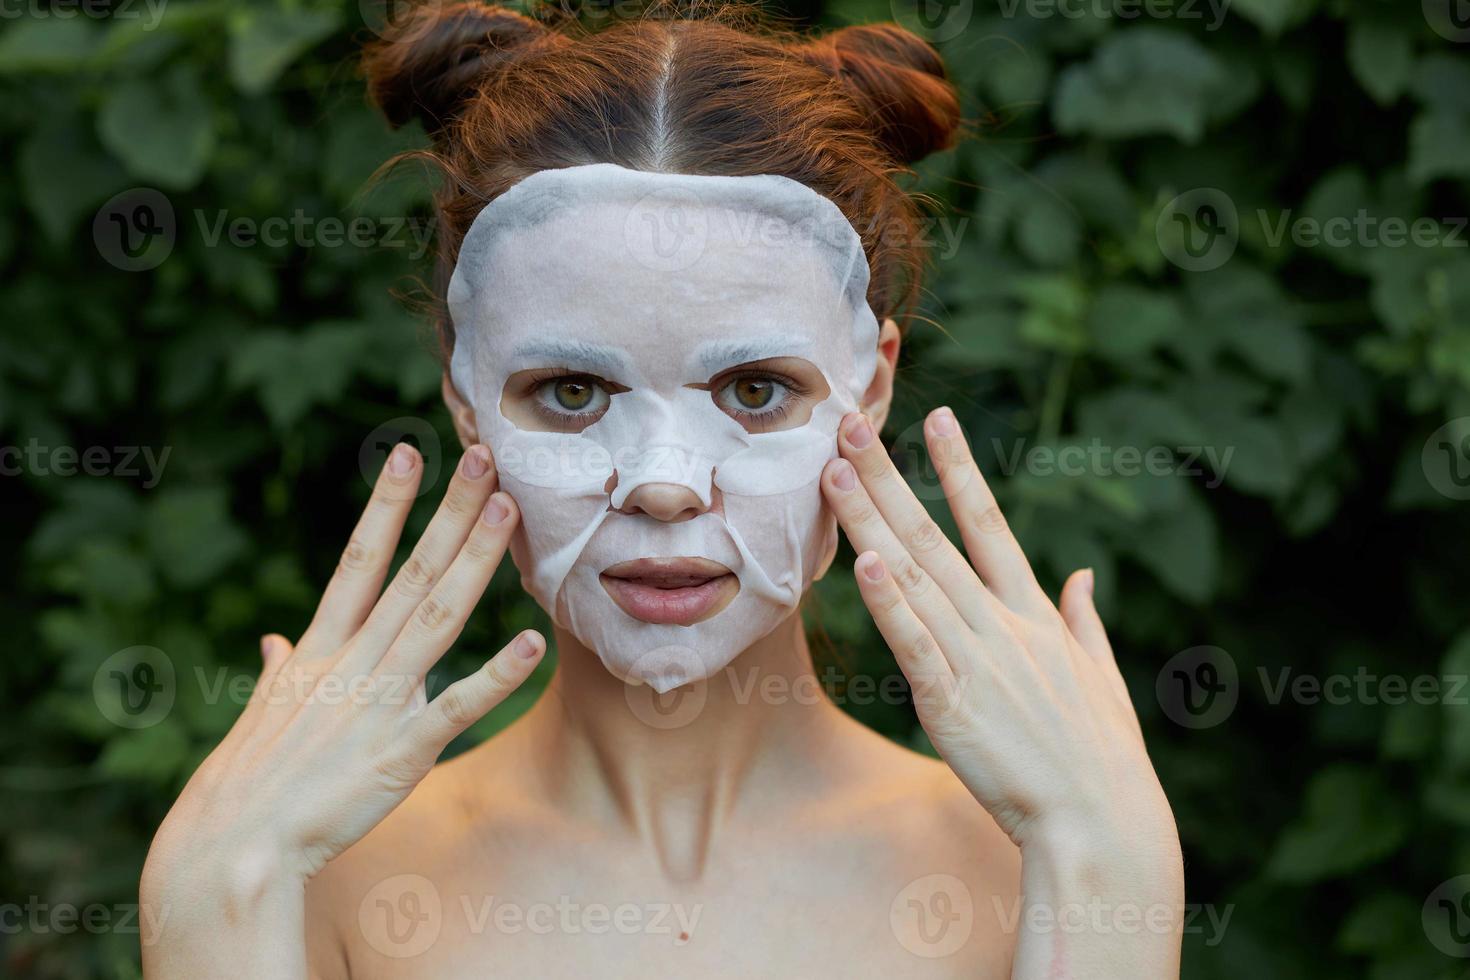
656,282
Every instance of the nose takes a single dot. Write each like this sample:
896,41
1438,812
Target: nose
666,502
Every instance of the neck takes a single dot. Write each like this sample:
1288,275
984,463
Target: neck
675,770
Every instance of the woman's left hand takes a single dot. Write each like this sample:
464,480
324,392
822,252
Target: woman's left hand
1024,701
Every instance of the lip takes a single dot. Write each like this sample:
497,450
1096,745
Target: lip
670,591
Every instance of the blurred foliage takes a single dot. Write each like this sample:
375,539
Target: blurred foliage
272,373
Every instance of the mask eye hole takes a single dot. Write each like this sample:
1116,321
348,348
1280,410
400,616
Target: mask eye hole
556,400
770,395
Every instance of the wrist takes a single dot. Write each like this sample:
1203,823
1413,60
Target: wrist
1144,860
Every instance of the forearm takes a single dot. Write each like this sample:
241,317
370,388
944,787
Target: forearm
1094,909
243,921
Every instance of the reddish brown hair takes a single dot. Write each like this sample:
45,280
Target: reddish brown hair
704,90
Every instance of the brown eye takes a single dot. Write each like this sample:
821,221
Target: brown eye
754,393
574,394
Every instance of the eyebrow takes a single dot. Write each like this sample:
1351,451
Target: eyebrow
717,356
573,354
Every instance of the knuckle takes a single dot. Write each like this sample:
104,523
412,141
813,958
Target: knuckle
433,613
910,577
456,707
460,502
926,537
990,521
397,769
482,548
358,556
416,576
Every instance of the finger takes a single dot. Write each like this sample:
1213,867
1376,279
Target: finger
1080,614
275,653
983,528
473,482
930,674
915,530
440,617
868,531
355,585
469,699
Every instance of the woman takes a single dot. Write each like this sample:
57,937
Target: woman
664,406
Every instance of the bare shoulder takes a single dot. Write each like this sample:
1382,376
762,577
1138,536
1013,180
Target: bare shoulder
921,807
424,841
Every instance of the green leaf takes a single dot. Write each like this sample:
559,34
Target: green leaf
1275,16
1141,81
292,372
1439,146
1128,322
163,131
264,42
1381,59
1453,675
49,44
1350,820
191,536
155,754
1181,549
66,174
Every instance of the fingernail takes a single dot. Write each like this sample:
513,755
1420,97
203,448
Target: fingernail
944,423
400,462
476,463
843,477
871,566
265,647
1087,581
860,433
495,509
527,647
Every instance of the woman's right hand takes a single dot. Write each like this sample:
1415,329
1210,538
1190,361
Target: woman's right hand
338,731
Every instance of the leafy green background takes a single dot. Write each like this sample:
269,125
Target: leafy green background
1326,548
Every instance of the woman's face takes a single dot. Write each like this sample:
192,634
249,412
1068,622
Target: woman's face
660,371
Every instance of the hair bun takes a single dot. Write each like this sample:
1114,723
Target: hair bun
899,79
429,62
